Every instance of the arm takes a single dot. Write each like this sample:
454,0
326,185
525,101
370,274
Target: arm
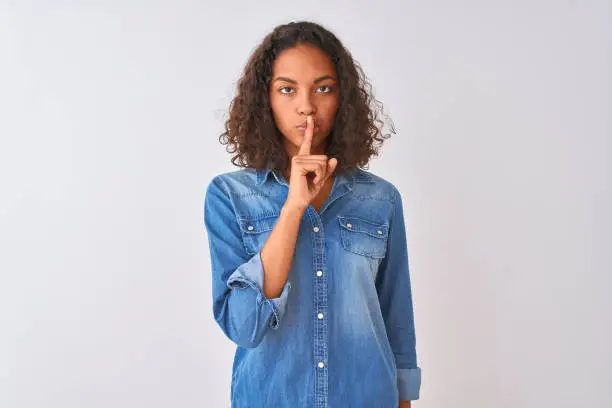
405,404
395,297
241,307
277,252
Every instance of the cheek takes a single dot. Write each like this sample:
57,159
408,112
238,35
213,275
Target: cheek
280,110
328,109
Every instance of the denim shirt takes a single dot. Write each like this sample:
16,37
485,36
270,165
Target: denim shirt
341,333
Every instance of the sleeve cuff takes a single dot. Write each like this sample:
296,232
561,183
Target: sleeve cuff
251,274
408,383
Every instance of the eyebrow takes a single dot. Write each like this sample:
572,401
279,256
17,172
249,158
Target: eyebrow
317,80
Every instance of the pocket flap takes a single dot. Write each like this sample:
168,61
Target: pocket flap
257,224
356,224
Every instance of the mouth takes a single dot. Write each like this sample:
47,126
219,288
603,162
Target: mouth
302,127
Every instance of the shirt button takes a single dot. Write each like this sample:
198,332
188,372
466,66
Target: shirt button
250,228
349,225
380,232
319,273
316,229
320,315
321,365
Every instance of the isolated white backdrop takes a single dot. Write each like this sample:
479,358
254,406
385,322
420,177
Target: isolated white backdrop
109,118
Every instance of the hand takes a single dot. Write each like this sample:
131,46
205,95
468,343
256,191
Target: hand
302,190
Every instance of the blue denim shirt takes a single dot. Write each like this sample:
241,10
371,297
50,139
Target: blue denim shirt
341,334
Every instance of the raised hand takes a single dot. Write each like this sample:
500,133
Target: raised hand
302,188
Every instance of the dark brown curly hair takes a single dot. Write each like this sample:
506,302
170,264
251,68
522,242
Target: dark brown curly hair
250,130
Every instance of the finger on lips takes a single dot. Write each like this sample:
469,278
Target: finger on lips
318,164
307,141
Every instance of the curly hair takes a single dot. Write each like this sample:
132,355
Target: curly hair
251,132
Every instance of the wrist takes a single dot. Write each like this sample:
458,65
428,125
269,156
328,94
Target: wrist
293,209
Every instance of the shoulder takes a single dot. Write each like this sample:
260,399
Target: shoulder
233,182
370,185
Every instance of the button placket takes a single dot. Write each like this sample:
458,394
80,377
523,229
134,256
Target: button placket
320,343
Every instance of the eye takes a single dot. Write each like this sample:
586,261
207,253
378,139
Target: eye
329,88
284,87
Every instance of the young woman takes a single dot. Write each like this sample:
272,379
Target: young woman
308,250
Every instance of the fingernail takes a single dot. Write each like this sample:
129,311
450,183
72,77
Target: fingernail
308,120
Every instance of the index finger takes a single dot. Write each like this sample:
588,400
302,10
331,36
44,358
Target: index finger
307,141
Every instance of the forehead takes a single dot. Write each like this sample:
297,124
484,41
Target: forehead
303,62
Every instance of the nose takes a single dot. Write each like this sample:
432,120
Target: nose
305,106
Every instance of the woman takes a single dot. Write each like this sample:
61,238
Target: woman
308,250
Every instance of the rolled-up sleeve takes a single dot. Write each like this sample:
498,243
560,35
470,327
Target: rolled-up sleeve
395,297
239,304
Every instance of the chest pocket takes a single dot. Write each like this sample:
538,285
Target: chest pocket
256,230
363,237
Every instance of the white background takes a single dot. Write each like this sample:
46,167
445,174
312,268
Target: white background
110,113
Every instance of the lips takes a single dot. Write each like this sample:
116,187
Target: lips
302,126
